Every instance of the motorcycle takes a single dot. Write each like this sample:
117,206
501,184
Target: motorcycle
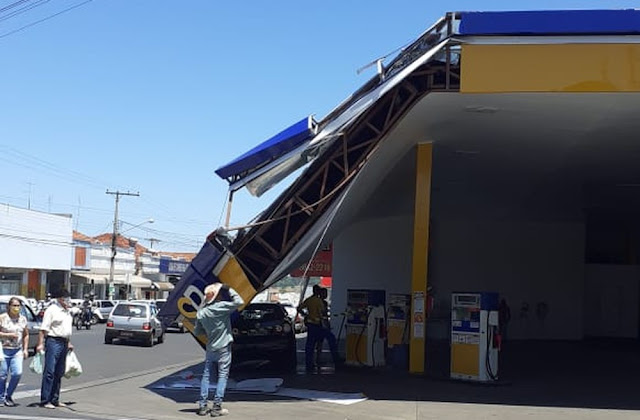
83,317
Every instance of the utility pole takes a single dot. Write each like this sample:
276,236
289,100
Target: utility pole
113,238
29,201
152,240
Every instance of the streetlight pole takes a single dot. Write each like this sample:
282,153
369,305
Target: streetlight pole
113,239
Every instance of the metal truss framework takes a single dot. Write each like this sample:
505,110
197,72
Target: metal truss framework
260,249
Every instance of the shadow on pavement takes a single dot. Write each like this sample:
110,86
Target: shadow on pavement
587,374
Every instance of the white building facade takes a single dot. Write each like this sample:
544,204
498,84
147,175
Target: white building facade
36,252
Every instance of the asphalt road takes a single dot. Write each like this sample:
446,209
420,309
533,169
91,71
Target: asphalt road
102,362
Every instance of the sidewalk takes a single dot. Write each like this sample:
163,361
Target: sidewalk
391,395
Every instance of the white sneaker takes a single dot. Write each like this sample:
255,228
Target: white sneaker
218,411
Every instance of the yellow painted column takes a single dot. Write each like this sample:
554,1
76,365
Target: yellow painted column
419,268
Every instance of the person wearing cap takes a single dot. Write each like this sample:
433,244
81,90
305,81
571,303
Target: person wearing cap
214,320
55,332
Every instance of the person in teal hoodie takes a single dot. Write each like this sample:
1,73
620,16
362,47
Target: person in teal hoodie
213,319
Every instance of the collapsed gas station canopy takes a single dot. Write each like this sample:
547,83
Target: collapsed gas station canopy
253,163
466,82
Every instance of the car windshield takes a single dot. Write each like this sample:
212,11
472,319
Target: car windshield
133,311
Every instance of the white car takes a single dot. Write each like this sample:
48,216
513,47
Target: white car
33,303
33,322
104,307
298,321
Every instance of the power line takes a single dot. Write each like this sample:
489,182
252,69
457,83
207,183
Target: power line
23,10
19,158
44,19
37,240
12,5
33,162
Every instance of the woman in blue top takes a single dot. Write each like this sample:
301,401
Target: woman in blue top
14,335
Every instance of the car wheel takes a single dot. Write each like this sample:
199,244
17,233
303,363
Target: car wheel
94,319
108,340
149,342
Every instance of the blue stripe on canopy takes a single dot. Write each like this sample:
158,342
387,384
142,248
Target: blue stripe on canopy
550,22
276,146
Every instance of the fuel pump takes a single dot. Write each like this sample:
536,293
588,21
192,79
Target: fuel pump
475,340
398,310
365,327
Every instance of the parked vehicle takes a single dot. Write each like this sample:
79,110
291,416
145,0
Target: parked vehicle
175,324
264,331
42,306
33,321
104,307
134,321
298,320
32,303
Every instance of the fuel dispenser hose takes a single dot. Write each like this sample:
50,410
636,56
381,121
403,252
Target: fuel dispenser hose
490,335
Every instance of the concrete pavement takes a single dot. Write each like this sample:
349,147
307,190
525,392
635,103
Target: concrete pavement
548,385
408,398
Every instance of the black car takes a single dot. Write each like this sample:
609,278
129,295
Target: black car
264,331
174,324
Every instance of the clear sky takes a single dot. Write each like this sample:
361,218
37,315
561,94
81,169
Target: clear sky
152,96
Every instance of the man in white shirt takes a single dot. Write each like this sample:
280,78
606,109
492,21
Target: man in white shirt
55,332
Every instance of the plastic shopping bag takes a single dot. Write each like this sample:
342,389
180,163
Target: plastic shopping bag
73,367
37,363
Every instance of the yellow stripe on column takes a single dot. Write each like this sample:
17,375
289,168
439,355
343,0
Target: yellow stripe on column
233,275
550,68
419,268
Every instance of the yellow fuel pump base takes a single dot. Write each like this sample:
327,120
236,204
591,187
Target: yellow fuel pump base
474,328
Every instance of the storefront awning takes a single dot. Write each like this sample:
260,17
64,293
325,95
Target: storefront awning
139,281
122,279
88,277
162,286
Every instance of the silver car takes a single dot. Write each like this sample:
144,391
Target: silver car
33,322
134,321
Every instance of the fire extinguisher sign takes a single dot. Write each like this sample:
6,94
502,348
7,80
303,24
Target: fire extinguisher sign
418,314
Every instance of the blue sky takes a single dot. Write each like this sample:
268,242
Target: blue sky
152,96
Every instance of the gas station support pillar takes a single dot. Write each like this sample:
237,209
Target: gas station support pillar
419,269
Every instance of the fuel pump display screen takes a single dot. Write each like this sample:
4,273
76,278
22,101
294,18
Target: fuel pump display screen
467,300
465,313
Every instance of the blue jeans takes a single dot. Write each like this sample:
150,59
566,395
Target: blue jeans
315,334
11,367
222,358
55,358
